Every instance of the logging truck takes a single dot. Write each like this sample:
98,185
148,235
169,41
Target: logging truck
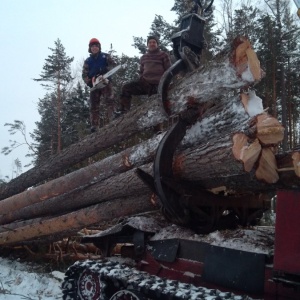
216,167
180,268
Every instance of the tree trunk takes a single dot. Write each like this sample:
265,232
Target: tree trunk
75,221
230,149
230,72
126,184
200,165
113,133
99,171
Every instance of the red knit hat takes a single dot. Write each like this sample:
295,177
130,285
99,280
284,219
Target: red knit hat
93,41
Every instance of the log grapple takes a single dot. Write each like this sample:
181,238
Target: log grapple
186,203
188,44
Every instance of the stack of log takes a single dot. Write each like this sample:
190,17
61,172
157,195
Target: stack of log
233,148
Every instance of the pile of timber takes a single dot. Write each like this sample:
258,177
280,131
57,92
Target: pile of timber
232,148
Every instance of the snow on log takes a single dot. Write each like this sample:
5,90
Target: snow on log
231,148
99,171
145,116
207,157
207,84
229,72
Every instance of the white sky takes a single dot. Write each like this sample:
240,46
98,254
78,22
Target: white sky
28,28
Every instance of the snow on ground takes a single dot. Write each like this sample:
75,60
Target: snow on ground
258,239
30,281
26,281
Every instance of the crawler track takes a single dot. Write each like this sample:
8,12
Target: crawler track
94,280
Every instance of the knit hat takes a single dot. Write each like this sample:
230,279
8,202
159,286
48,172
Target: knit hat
152,37
93,41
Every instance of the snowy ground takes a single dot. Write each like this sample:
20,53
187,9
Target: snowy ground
26,281
31,282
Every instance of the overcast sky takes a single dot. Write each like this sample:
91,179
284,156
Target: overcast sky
28,28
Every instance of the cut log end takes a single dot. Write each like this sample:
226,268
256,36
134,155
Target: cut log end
126,161
245,61
296,163
250,154
242,151
267,167
269,130
240,140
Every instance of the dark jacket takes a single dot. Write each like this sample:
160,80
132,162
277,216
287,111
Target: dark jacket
153,65
96,65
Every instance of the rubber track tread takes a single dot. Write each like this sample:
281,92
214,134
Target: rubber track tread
153,287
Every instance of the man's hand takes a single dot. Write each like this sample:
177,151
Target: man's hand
100,79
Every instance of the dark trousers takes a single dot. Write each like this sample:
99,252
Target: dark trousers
95,97
138,87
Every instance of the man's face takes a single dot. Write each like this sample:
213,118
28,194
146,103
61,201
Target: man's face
95,48
152,45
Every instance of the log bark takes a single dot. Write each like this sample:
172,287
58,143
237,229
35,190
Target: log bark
126,184
210,164
203,85
231,149
78,219
121,162
105,211
145,116
76,185
230,175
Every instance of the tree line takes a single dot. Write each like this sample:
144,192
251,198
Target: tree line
273,32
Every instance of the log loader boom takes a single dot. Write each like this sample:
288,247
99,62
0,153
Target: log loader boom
188,204
188,44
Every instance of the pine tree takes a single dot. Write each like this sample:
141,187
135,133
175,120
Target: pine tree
291,47
45,135
160,28
127,74
75,117
56,73
182,8
267,53
286,38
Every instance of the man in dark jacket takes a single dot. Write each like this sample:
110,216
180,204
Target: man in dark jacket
98,63
153,64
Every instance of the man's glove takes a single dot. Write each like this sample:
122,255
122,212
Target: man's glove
100,82
89,82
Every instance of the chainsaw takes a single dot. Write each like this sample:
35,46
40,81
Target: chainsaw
101,81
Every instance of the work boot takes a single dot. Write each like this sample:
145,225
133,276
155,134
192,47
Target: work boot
119,112
94,129
158,129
